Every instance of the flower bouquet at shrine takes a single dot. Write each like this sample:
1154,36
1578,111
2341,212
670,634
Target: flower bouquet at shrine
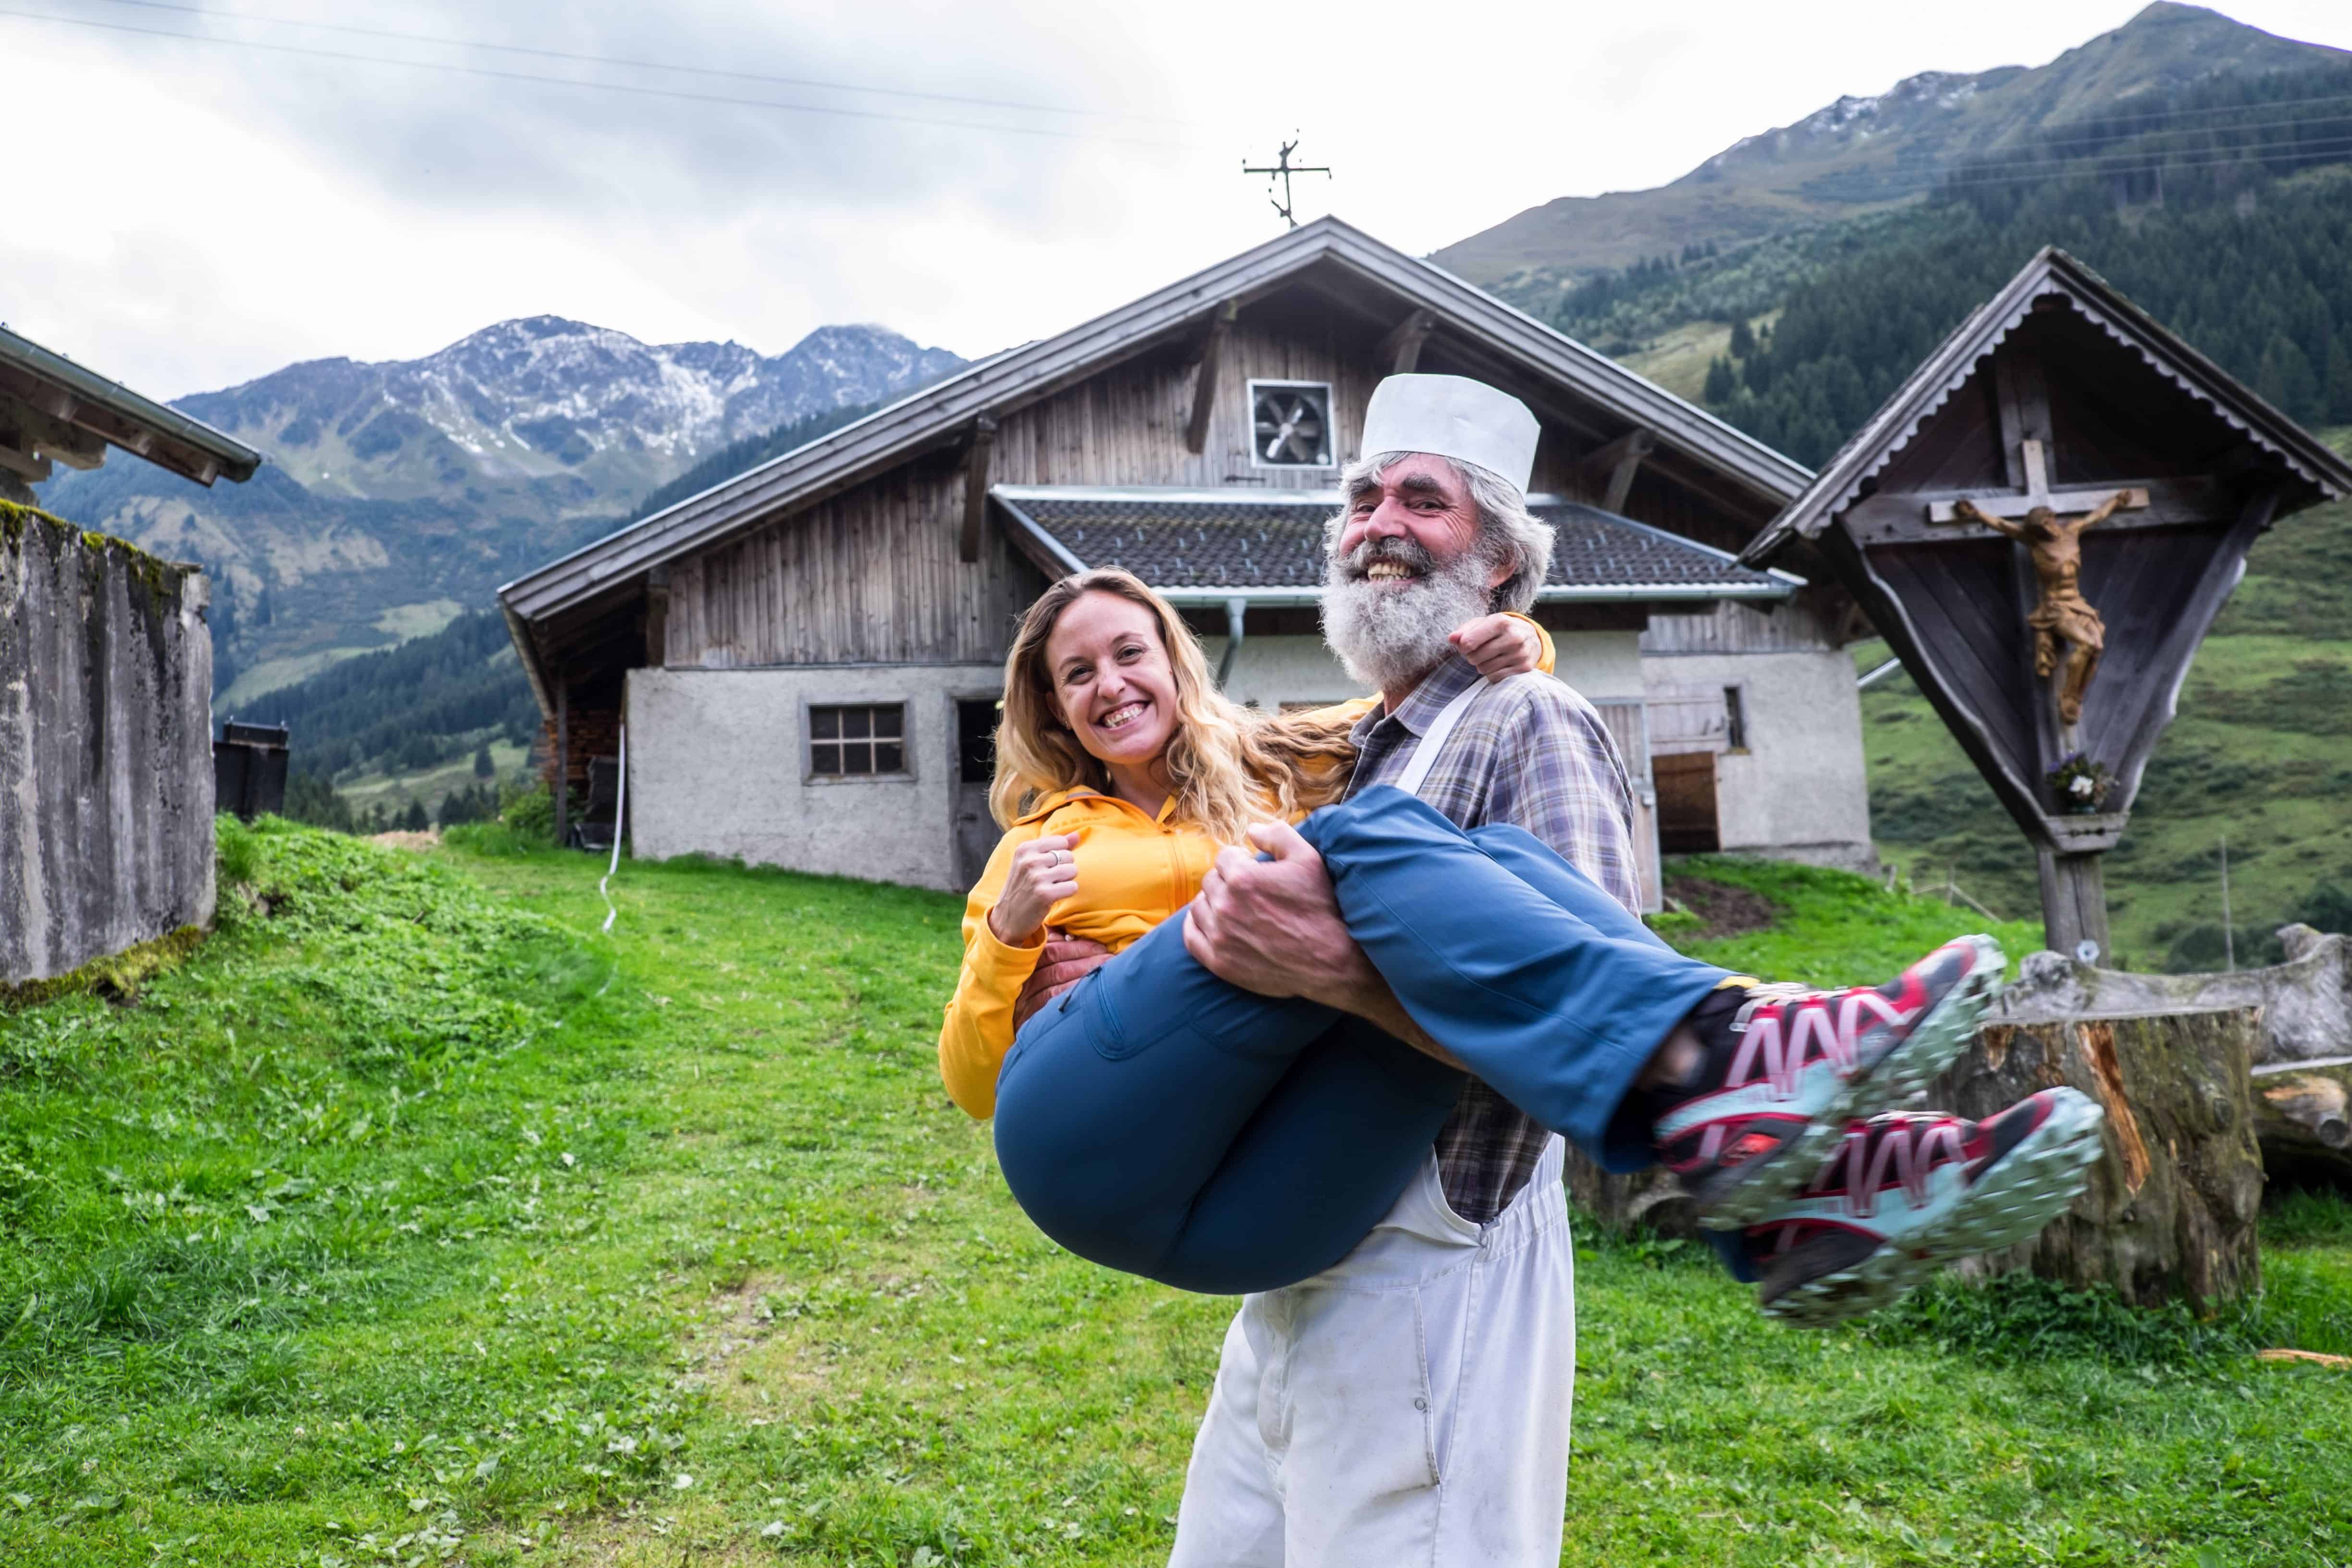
2081,784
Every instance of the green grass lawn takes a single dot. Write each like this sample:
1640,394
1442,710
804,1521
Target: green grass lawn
411,1222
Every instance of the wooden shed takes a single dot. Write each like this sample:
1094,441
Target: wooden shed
808,656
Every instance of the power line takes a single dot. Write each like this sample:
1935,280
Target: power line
2210,109
640,65
2199,130
2148,156
632,90
2095,165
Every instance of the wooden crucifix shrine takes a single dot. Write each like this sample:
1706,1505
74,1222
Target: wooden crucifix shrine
2044,522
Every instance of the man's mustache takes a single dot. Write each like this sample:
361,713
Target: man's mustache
1397,548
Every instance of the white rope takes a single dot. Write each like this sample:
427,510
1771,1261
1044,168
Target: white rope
620,815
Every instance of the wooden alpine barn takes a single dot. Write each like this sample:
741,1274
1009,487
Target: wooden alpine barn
808,656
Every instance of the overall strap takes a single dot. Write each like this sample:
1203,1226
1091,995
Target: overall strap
1440,730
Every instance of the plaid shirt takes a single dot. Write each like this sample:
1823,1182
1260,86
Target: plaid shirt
1532,753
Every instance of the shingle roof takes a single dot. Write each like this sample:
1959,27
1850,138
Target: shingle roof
1189,543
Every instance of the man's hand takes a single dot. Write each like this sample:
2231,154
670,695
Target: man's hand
1273,926
1066,961
1498,646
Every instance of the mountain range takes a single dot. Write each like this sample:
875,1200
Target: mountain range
1864,154
398,493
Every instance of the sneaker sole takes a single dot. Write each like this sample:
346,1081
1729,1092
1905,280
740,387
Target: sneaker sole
2019,1196
1910,1065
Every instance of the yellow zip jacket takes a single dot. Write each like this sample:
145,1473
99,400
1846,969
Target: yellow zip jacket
1134,871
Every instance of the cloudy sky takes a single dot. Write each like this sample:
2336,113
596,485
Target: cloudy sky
225,189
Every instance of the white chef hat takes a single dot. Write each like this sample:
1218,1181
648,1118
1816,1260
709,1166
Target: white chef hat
1453,417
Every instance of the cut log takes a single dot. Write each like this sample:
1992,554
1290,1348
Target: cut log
2303,1114
2169,1212
1653,1199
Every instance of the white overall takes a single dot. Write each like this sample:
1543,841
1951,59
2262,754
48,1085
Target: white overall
1408,1405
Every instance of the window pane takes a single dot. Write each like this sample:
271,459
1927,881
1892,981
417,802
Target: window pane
825,757
890,720
889,757
856,757
824,724
856,723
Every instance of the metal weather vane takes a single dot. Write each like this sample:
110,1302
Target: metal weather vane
1283,168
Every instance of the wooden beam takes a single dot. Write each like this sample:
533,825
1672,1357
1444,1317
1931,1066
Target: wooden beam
658,617
1204,378
20,462
56,437
1902,517
975,486
1402,347
562,759
1610,471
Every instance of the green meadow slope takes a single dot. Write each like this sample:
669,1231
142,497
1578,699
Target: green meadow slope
412,1222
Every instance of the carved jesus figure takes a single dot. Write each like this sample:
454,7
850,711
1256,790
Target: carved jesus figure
2061,612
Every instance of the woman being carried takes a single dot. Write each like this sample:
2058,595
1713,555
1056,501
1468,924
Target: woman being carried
1159,1121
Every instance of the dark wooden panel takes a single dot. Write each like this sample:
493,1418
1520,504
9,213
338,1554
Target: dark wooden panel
1954,594
872,575
1958,449
1687,823
2111,414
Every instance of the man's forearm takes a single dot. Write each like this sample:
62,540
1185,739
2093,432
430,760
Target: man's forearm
1371,1000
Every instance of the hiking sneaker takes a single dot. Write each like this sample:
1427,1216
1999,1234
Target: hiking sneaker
1793,1068
1909,1191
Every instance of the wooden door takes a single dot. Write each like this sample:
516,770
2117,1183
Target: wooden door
975,764
1686,820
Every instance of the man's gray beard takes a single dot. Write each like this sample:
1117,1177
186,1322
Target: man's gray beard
1391,637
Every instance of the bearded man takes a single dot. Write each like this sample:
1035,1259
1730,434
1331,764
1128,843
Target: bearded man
1465,1290
1410,1402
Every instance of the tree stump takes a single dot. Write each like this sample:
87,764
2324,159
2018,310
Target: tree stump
2303,1114
1652,1198
2169,1212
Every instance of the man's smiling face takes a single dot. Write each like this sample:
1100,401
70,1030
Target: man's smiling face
1416,516
1406,568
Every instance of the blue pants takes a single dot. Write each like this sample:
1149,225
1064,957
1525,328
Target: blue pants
1158,1120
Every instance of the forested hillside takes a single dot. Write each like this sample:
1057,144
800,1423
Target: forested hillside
1870,153
2225,211
396,719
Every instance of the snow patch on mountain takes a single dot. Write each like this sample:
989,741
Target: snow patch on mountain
543,395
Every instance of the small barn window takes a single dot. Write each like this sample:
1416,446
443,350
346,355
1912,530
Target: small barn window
1290,424
857,739
1735,720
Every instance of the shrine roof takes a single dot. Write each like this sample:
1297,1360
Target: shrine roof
1210,545
2050,274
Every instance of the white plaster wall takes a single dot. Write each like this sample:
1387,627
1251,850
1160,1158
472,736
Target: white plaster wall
1273,670
717,760
1799,792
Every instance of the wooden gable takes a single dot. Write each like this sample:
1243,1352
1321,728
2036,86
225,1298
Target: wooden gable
876,573
2058,395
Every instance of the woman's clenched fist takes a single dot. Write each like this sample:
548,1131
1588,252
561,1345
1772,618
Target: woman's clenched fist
1044,872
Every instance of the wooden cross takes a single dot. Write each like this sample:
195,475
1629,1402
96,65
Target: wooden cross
2038,493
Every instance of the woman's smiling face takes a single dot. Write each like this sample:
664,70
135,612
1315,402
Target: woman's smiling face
1112,681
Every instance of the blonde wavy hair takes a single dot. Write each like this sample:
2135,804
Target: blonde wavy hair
1227,766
